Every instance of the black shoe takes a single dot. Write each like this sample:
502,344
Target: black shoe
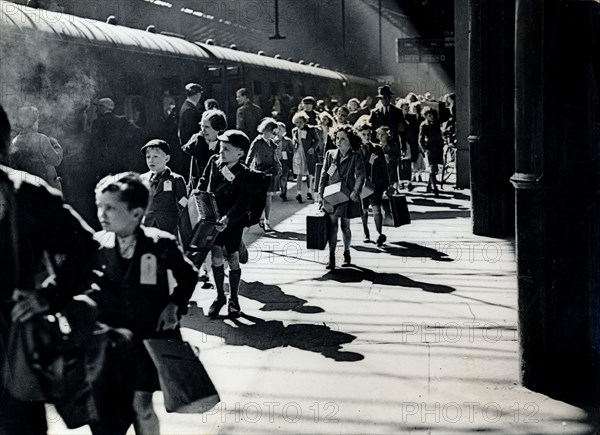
309,196
206,285
381,239
233,308
411,187
261,224
299,198
366,238
331,263
216,306
283,197
347,260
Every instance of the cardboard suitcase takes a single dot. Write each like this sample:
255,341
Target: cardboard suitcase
395,211
316,231
336,193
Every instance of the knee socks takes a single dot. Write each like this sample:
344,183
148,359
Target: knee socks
234,283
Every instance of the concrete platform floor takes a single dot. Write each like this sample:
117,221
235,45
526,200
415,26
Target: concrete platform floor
418,337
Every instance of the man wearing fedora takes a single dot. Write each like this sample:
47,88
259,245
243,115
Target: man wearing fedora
385,114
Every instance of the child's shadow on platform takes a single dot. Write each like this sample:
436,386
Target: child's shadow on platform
357,274
271,334
274,299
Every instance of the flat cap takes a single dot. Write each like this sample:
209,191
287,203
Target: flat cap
157,143
236,138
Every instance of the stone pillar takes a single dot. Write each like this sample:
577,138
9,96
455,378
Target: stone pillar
461,61
491,111
557,186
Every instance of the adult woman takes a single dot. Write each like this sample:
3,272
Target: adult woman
226,176
263,157
204,144
376,173
35,152
306,153
344,165
432,144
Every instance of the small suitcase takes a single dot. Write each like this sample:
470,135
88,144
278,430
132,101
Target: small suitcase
405,169
316,231
395,211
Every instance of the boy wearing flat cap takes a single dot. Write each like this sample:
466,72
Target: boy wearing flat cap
227,177
168,192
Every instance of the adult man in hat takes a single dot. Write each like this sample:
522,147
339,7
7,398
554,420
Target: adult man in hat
189,115
385,114
248,115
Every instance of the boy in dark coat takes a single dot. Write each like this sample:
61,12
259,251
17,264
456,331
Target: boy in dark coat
136,292
168,193
227,177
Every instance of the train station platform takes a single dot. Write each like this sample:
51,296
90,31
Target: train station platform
418,336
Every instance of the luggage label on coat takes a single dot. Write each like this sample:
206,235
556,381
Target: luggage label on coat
226,172
168,186
148,269
303,134
332,170
284,155
372,159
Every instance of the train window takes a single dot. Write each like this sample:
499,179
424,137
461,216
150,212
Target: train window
257,87
324,91
33,84
232,71
171,85
273,88
135,110
134,84
288,88
214,71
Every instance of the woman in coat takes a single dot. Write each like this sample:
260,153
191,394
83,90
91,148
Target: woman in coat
345,165
263,157
204,144
307,153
